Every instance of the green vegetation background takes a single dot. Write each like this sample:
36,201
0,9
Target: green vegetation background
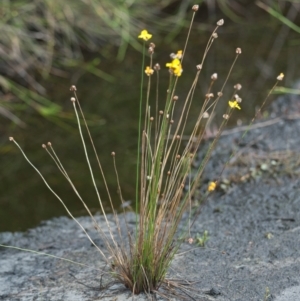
47,45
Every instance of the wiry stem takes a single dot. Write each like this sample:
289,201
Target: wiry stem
61,201
65,174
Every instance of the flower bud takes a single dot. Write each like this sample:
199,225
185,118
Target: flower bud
280,76
205,115
237,87
156,67
214,76
150,50
195,7
220,22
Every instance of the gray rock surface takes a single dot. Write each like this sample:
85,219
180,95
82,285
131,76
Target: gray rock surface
253,228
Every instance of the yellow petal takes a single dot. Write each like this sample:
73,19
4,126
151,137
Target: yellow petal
234,104
176,63
212,186
145,35
178,71
149,71
179,54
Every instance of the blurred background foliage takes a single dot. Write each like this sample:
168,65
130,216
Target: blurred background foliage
47,45
48,37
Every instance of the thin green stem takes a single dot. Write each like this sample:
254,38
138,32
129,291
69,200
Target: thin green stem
139,134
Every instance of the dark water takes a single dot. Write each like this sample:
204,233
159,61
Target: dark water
268,48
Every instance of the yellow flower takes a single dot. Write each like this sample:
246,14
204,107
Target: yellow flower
179,54
145,35
212,186
177,71
175,65
234,104
149,71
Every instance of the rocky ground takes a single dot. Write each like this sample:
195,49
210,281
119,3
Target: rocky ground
253,224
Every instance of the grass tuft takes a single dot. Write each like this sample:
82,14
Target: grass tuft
164,185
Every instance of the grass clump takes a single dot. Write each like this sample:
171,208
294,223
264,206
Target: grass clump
164,166
164,187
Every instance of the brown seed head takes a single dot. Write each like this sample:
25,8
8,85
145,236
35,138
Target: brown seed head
49,143
237,87
151,118
209,95
195,7
214,76
190,240
238,51
178,137
161,112
226,116
280,76
177,156
152,45
220,22
205,115
237,98
11,138
175,97
156,67
173,56
73,99
199,67
73,88
168,173
171,121
220,94
150,50
44,146
215,35
171,71
113,154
